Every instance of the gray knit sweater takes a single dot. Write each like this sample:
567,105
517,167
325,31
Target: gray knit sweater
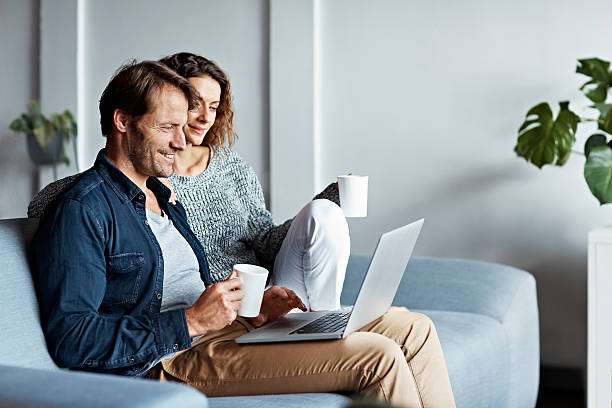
227,212
225,209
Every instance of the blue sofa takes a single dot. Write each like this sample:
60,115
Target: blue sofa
486,316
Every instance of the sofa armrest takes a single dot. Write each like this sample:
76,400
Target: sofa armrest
28,387
457,285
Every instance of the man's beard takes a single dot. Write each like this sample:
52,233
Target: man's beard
142,157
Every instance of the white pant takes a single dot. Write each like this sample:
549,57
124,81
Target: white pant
313,257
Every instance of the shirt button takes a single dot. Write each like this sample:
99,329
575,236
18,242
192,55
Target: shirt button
132,359
175,347
141,197
146,222
159,295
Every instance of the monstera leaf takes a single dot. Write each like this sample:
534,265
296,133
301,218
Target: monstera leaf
543,140
594,141
605,116
598,172
596,89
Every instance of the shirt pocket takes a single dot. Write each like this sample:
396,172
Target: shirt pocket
123,278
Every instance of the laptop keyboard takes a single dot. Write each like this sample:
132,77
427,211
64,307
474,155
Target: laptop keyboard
328,323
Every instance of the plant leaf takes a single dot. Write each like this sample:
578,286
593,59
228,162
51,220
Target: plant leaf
593,141
596,89
58,122
598,173
605,116
39,134
595,68
605,122
603,108
44,134
598,94
543,140
34,107
73,125
36,117
19,125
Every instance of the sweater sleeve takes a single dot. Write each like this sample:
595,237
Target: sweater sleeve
44,197
330,193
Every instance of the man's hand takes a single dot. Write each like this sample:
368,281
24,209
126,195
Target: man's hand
277,302
216,308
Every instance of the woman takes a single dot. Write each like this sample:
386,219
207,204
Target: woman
226,209
225,205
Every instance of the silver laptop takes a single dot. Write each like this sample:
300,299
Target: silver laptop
375,296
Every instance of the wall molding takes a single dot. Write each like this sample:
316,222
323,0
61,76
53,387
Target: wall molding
293,105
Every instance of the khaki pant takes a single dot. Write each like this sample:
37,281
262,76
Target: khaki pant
396,358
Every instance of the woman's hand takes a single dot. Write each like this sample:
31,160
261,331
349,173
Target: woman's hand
277,302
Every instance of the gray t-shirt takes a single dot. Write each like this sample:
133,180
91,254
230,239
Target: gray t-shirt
182,282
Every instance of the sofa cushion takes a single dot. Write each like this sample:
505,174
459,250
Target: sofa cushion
22,341
476,353
282,401
459,285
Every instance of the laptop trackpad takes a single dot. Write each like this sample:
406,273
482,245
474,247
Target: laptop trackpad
280,329
293,320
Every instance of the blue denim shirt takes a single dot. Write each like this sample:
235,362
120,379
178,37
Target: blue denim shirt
100,273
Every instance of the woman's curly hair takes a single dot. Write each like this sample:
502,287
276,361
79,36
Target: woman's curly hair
190,65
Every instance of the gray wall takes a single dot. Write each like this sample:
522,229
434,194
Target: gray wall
425,98
18,84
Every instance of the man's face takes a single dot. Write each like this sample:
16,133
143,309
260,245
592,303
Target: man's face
154,138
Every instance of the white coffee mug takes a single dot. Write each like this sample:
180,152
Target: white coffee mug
253,279
353,195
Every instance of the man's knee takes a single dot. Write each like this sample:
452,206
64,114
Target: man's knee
421,322
378,354
400,316
409,329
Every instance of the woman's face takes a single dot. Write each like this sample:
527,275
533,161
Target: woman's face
203,117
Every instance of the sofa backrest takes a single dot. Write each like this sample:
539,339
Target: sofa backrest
22,342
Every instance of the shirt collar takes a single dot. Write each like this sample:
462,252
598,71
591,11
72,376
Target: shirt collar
162,193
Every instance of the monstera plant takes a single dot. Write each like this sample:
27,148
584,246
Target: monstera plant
545,139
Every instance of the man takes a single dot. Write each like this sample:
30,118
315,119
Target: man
124,285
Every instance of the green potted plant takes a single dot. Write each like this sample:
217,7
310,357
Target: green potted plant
45,136
543,139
